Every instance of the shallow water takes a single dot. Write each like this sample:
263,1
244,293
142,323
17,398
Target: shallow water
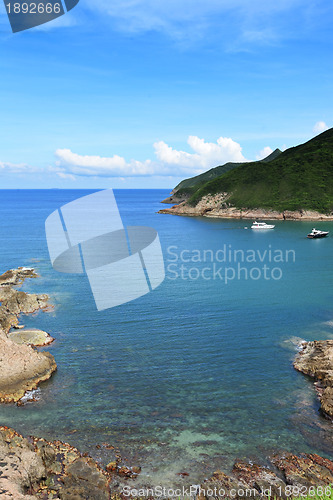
198,372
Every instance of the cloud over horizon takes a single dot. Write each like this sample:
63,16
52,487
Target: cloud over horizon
17,168
169,161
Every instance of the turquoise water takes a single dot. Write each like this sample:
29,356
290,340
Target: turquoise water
198,372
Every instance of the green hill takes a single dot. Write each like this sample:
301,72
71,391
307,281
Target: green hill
186,186
299,178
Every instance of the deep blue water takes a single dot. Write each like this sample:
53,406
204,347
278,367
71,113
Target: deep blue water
198,372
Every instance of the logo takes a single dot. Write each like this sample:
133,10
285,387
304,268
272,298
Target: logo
26,14
87,236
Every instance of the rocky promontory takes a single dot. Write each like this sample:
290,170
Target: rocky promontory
217,206
316,360
22,367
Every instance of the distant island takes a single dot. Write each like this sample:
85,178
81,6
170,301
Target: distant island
294,184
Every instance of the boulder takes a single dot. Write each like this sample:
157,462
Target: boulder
22,369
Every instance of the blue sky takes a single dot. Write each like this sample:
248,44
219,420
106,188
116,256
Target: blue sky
142,93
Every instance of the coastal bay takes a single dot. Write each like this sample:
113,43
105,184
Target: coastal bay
196,375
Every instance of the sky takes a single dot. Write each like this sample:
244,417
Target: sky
144,93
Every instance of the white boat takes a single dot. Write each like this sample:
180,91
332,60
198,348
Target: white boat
262,225
315,233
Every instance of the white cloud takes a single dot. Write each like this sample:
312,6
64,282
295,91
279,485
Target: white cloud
170,162
206,154
320,127
17,168
115,166
266,151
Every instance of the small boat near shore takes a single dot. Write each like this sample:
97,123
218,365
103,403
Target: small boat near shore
262,225
316,233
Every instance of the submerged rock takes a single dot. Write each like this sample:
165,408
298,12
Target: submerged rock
316,360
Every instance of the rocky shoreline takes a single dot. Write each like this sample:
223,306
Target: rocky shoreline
316,360
22,367
33,468
289,476
217,206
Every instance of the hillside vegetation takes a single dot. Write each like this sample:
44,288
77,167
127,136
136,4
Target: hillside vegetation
299,178
187,185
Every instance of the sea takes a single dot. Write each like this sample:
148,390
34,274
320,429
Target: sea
199,371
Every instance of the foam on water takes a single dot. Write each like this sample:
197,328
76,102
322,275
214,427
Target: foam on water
34,395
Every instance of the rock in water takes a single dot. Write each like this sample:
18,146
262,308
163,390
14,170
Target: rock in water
15,302
316,360
21,369
17,276
37,338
